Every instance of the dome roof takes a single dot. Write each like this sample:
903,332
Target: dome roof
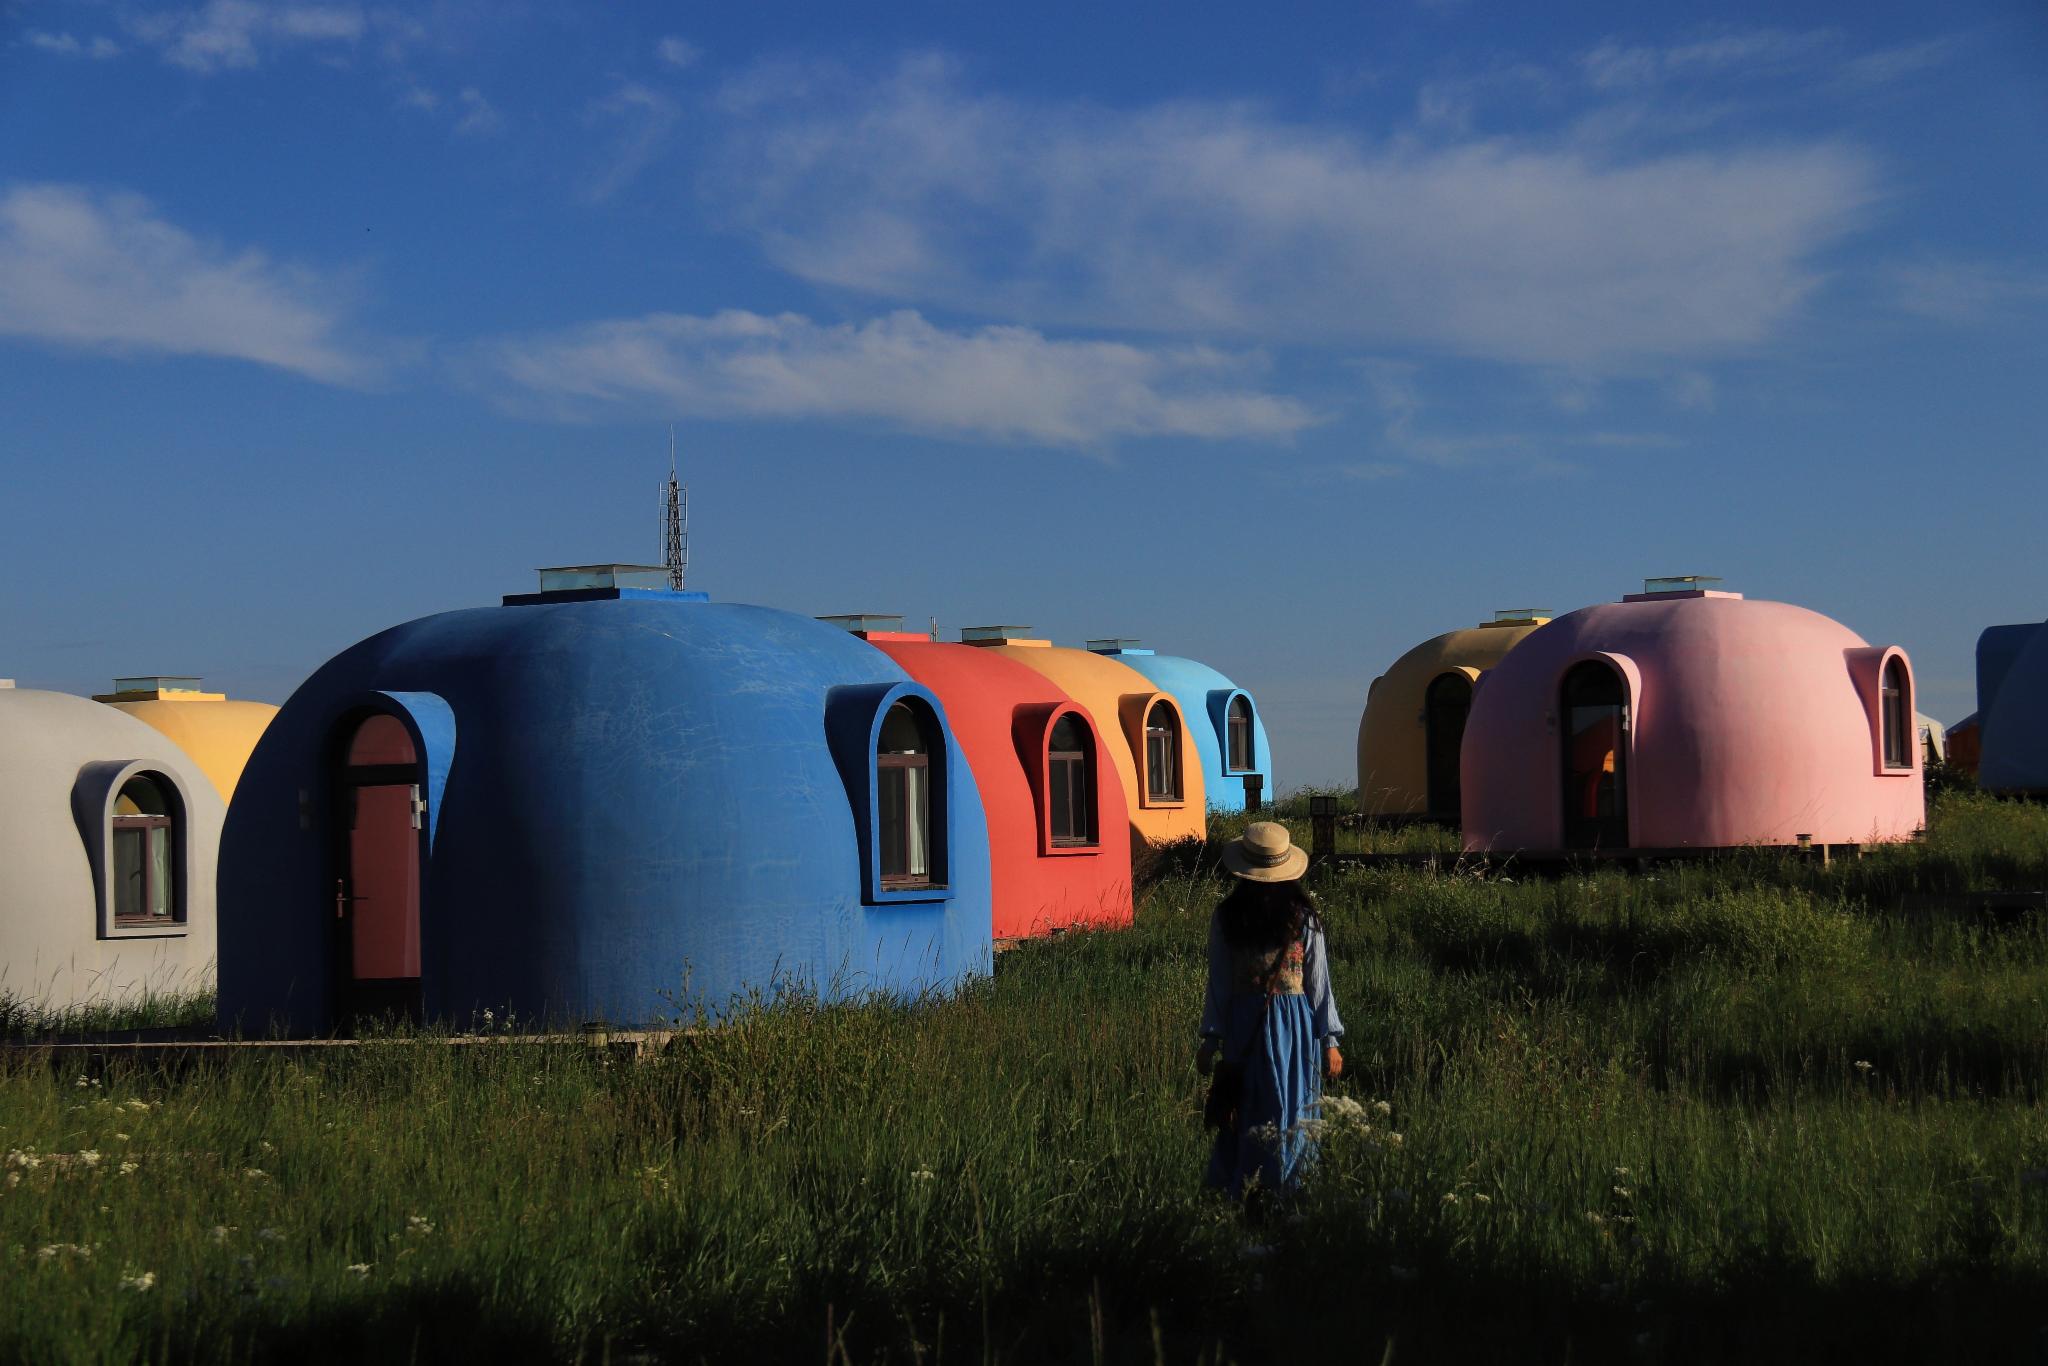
218,735
2014,733
1749,722
1203,694
636,792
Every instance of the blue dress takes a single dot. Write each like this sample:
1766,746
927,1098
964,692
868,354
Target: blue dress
1280,1046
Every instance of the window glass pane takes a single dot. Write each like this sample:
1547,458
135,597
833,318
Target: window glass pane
128,872
1062,793
901,733
890,793
381,739
141,796
160,872
1069,735
917,821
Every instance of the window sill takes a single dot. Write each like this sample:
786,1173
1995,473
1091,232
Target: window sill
175,929
908,895
1047,849
1162,803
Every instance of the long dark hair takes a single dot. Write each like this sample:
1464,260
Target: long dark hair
1266,915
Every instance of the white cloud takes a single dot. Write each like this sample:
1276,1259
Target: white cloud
479,115
68,45
645,117
994,383
677,52
1222,219
102,271
226,35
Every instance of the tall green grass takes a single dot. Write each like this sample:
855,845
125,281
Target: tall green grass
1747,1110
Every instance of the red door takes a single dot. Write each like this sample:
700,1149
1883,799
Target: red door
378,896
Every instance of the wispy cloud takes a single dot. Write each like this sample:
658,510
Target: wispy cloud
82,268
228,35
1964,291
1010,384
677,52
1221,219
643,118
1614,65
479,115
69,45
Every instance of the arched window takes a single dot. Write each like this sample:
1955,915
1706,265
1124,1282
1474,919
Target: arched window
1162,753
145,855
1444,708
1896,706
903,793
1237,724
1593,704
1070,783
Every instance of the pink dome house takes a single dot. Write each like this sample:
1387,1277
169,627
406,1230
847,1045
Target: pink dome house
1684,717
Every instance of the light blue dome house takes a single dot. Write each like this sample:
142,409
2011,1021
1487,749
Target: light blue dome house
1223,718
599,801
2012,709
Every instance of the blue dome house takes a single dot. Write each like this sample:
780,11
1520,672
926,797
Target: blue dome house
2012,709
599,801
1222,717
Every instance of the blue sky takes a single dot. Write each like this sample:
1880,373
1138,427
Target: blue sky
1281,336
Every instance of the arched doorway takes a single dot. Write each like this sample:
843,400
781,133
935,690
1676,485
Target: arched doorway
377,887
1593,704
1444,709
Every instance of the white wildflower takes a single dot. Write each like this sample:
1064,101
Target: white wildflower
270,1235
1865,1066
1481,1198
1394,1140
1621,1173
24,1158
921,1174
1343,1107
1624,1193
1596,1218
359,1268
220,1233
88,1158
130,1168
138,1105
88,1081
145,1280
267,1146
120,1138
1450,1197
1382,1108
255,1174
418,1224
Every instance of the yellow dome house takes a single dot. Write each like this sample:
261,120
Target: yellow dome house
1147,737
216,733
1414,722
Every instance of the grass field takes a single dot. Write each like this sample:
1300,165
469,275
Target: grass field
1756,1110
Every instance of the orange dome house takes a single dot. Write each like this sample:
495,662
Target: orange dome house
1149,743
1058,834
1684,717
217,732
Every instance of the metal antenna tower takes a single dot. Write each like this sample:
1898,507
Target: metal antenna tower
675,529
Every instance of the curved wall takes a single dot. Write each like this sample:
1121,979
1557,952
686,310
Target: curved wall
1393,758
638,809
61,759
1001,711
1752,723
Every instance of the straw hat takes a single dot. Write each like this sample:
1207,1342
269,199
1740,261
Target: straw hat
1265,853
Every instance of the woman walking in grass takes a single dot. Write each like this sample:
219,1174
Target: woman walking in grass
1270,1014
